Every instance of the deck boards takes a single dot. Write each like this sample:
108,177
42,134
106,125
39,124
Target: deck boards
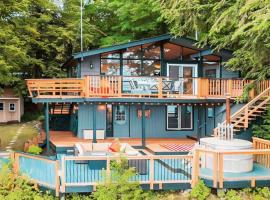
68,139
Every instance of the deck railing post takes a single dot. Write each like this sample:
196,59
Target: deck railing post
57,179
63,173
195,169
119,86
151,173
215,170
108,169
220,170
86,87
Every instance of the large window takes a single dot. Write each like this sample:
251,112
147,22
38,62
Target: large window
179,118
141,60
110,63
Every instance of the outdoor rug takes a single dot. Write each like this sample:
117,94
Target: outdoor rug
178,147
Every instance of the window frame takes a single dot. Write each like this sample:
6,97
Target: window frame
118,115
179,120
14,107
3,107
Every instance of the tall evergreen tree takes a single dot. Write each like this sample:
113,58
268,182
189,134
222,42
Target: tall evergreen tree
240,25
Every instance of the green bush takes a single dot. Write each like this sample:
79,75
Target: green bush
34,149
30,116
118,187
19,188
200,191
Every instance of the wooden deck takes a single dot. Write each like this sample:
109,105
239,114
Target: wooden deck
67,139
141,87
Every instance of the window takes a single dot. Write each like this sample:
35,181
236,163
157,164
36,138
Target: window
211,73
120,114
151,51
1,106
210,112
131,67
132,53
179,117
151,68
110,66
12,107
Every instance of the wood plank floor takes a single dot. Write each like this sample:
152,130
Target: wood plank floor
67,139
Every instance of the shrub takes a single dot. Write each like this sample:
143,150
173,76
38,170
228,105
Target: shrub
118,187
232,195
200,191
19,188
34,149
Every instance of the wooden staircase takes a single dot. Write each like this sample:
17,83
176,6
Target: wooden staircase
249,112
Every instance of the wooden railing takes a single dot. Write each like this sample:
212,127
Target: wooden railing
149,169
56,87
40,170
215,171
259,143
147,87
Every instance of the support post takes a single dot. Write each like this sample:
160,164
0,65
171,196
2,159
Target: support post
228,110
143,125
47,129
94,124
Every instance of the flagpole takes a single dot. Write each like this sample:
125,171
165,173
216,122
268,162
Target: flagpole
82,27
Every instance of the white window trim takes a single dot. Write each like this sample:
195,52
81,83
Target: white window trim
179,120
14,107
3,106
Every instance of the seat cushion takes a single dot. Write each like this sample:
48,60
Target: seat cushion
115,146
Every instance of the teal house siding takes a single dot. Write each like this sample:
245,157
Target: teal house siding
85,118
228,74
93,61
155,125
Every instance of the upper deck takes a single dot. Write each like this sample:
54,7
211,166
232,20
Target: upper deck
128,87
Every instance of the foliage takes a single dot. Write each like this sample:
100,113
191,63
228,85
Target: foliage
34,149
263,130
118,187
200,191
239,25
19,188
30,116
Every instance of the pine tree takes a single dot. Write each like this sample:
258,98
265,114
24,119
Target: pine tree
263,130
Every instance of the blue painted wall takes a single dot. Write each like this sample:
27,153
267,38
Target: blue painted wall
85,68
85,118
155,125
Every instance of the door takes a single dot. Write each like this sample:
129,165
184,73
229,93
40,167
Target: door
109,121
121,121
185,73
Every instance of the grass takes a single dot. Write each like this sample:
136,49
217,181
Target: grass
7,132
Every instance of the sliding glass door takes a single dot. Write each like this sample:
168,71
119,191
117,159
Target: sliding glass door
183,76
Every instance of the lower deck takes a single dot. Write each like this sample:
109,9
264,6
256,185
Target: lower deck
153,172
63,140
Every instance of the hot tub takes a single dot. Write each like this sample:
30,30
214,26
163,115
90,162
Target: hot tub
232,163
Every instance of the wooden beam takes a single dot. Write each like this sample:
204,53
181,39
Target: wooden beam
47,127
94,124
228,110
143,125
